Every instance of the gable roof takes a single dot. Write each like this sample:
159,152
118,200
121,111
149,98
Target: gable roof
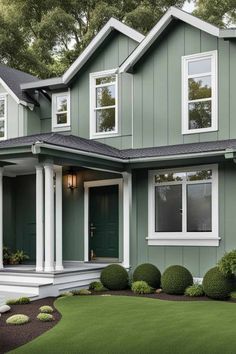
111,25
171,15
11,79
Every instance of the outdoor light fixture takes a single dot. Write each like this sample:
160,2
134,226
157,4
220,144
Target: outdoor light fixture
72,180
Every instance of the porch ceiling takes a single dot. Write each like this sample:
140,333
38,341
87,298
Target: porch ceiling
20,166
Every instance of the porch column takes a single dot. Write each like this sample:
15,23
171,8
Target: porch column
49,218
1,217
39,219
59,264
127,204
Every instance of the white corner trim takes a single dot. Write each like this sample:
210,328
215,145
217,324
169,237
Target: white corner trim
97,41
213,55
92,103
157,30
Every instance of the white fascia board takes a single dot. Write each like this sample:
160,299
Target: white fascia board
10,92
172,13
97,41
41,83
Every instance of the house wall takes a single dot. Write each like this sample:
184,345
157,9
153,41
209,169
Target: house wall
197,259
157,88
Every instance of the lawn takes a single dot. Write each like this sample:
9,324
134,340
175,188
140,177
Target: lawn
120,324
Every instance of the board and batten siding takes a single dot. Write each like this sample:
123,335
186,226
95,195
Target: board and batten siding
197,259
109,56
157,89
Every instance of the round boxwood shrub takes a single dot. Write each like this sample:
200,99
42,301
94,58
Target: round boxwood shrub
115,277
216,285
176,279
17,319
45,317
148,273
46,309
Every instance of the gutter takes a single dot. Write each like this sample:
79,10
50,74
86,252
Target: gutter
36,147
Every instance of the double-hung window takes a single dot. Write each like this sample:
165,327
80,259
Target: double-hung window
199,93
183,206
3,117
61,111
103,104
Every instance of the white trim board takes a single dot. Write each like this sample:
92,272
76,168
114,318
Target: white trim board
172,14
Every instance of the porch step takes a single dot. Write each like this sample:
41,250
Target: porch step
22,287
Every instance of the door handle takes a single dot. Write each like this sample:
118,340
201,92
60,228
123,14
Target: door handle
92,229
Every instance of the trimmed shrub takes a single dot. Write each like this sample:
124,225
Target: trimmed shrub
45,317
67,293
148,273
194,290
96,286
115,277
176,279
141,287
227,264
17,319
46,309
216,285
19,301
81,292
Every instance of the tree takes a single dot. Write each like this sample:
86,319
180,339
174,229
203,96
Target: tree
221,13
44,37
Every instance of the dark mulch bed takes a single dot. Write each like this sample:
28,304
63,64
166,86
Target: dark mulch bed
14,336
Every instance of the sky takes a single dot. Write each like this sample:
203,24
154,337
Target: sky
188,6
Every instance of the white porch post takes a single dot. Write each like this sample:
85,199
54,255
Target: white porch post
127,204
1,217
49,218
59,263
39,219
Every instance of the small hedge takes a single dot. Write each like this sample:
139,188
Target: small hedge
96,286
19,301
45,317
141,287
115,277
176,279
148,273
194,290
216,285
17,319
46,309
81,292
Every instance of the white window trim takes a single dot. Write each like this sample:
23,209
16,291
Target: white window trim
65,126
3,96
214,96
183,238
93,77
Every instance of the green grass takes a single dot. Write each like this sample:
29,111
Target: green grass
116,325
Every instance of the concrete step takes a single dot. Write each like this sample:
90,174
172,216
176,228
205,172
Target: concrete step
22,287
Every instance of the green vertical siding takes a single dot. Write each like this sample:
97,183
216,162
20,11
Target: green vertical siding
197,259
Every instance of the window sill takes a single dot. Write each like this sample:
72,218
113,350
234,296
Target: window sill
62,128
211,241
103,136
197,131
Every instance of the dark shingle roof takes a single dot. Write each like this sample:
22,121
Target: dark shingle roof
92,146
14,78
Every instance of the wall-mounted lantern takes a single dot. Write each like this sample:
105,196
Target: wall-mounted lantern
72,180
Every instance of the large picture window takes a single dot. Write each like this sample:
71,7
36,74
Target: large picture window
103,102
3,117
199,86
183,206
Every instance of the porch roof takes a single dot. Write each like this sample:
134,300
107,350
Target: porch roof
84,146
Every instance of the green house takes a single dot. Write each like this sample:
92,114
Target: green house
129,157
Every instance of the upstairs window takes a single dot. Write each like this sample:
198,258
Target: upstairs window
199,93
103,104
3,117
60,110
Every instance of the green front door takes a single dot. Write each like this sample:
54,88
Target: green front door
103,222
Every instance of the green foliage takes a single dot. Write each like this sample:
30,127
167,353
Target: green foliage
194,290
17,257
19,301
45,317
46,309
115,277
141,287
81,292
6,255
45,37
227,264
66,293
216,285
17,319
96,286
176,279
149,273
